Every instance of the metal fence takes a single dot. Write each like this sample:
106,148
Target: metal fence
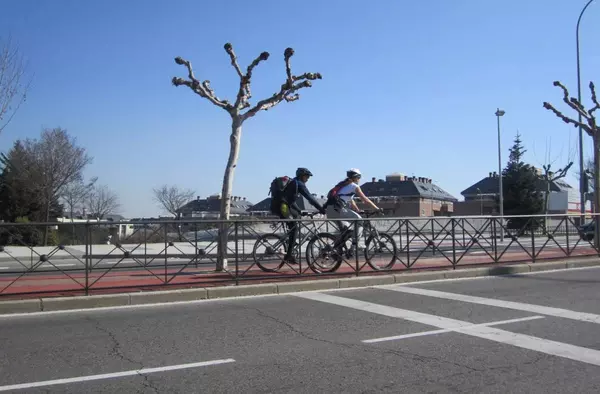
185,254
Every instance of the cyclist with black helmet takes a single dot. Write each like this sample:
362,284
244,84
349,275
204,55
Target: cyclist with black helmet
343,205
290,209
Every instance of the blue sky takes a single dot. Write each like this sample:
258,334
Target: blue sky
408,86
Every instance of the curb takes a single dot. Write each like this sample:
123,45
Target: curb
167,296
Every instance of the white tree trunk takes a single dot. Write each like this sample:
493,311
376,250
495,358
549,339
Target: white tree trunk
234,151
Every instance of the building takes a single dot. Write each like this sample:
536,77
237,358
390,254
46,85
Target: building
118,226
209,208
263,208
400,195
482,197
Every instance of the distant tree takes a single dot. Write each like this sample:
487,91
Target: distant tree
75,194
287,92
102,201
592,128
13,88
19,195
172,198
520,188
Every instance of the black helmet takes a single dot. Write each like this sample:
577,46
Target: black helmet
353,173
303,171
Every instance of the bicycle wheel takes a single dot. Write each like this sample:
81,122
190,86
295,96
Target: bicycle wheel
378,248
269,251
321,256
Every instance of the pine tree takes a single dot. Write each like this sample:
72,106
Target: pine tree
521,189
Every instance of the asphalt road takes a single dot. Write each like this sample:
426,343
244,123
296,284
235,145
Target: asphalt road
534,333
8,265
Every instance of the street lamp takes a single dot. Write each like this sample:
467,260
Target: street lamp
500,113
581,170
480,202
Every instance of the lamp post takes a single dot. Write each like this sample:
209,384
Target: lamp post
500,113
480,202
581,170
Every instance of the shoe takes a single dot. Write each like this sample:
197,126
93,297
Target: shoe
290,260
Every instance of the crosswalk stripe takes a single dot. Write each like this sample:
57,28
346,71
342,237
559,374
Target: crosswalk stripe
520,306
554,348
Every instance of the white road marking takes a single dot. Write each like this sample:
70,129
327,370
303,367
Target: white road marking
520,306
143,371
64,265
443,331
4,268
529,342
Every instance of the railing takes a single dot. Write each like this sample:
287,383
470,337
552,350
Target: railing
184,254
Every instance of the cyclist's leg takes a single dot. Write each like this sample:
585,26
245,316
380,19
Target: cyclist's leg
343,226
348,213
292,234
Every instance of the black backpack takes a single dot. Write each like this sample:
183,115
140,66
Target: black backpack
276,191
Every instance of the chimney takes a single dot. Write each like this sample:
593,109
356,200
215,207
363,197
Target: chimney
323,197
373,179
244,198
197,198
490,175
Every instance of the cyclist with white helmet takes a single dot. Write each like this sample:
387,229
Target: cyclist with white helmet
340,203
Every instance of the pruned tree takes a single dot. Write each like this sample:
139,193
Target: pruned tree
549,176
240,111
591,127
172,198
13,88
102,201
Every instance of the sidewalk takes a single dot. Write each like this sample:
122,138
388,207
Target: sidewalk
107,281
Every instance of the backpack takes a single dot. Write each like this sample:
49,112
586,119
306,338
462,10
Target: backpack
276,191
333,197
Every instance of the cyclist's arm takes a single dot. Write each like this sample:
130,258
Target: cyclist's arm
304,191
354,206
365,199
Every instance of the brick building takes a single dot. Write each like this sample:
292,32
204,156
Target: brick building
400,195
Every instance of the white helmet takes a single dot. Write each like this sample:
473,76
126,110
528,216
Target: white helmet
353,173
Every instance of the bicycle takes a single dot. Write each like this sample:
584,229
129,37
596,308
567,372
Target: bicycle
275,246
335,253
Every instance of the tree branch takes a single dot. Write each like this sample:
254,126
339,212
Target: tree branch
572,102
567,119
594,99
202,89
288,89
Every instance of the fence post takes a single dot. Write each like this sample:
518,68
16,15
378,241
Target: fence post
166,251
237,261
355,246
407,245
432,238
531,227
567,234
454,243
88,248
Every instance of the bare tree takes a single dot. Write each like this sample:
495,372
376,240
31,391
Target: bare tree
549,176
287,92
74,197
75,194
50,164
591,127
171,199
12,87
102,201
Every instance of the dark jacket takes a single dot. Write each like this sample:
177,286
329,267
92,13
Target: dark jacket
294,190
